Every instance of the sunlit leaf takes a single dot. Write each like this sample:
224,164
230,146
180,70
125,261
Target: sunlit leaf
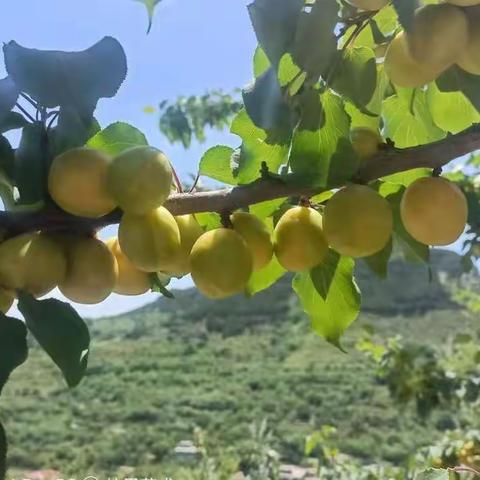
216,163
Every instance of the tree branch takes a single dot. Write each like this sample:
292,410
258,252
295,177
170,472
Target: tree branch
389,161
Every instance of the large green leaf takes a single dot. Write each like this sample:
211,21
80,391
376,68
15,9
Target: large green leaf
31,164
266,105
216,163
332,315
257,147
261,63
13,346
408,121
150,6
79,79
455,79
451,111
315,42
12,121
61,333
325,155
116,138
356,76
8,96
275,24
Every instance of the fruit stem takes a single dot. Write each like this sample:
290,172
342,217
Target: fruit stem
436,172
178,184
225,219
305,202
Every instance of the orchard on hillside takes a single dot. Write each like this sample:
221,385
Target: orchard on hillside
354,109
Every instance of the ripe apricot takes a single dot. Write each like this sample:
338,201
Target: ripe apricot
469,59
32,262
365,141
77,182
256,236
438,36
221,263
369,5
130,280
190,232
358,222
299,240
151,241
91,271
434,211
402,69
140,179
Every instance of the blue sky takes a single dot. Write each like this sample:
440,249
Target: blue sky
194,45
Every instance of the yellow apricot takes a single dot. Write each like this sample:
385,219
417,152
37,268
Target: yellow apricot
256,236
358,222
438,36
91,271
221,263
7,297
190,232
32,262
402,69
151,241
365,141
77,182
130,280
434,211
469,59
299,240
140,179
369,5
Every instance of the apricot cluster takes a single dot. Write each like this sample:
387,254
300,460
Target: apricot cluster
442,35
356,222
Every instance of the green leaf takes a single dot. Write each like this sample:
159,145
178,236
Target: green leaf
288,71
61,332
73,129
12,121
455,79
332,315
78,79
8,97
310,110
117,138
322,275
209,220
265,278
406,12
408,122
3,452
260,62
7,157
451,111
356,76
325,155
31,164
275,25
216,163
408,176
150,6
13,346
267,208
378,263
434,474
266,104
315,42
257,147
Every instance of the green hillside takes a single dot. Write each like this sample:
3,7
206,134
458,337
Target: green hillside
158,372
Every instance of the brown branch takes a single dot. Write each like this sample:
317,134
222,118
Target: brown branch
388,161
